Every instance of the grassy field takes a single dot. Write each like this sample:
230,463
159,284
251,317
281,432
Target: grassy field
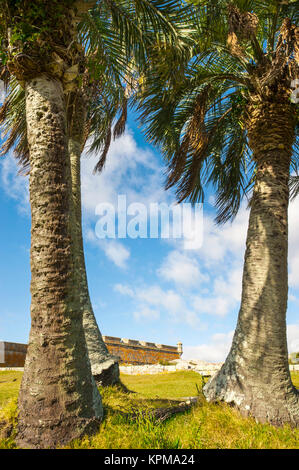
125,426
9,385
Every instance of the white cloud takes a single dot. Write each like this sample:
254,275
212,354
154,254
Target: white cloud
294,270
15,186
223,296
123,289
212,306
147,313
218,348
293,337
214,351
213,273
220,241
116,252
221,259
129,170
156,299
154,295
181,269
232,284
113,249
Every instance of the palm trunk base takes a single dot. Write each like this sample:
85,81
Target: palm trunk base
104,366
54,410
56,430
54,433
107,372
273,403
255,377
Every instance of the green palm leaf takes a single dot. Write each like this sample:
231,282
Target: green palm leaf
234,55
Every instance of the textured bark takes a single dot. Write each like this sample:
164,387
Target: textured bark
104,366
58,400
255,376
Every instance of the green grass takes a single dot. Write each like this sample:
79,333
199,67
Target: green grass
167,385
295,378
205,426
9,385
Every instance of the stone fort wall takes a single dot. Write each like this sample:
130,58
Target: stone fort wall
132,351
128,350
12,354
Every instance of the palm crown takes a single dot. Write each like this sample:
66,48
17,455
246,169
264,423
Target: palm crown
116,38
198,110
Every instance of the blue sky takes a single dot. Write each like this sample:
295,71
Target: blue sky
146,289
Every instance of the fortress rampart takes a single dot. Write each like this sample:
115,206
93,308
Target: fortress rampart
129,351
136,352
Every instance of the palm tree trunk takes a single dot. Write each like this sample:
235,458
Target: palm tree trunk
255,376
104,366
58,400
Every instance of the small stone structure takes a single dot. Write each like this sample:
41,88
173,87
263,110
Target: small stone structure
128,350
12,354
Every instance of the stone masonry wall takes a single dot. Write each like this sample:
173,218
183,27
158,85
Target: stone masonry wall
12,354
128,350
196,365
136,352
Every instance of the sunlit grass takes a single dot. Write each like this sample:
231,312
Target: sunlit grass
9,385
126,426
167,385
295,378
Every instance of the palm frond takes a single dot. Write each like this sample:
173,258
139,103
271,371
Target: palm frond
294,186
120,125
233,58
102,160
13,125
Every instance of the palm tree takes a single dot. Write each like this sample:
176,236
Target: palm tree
91,111
225,119
104,366
85,121
58,399
40,48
